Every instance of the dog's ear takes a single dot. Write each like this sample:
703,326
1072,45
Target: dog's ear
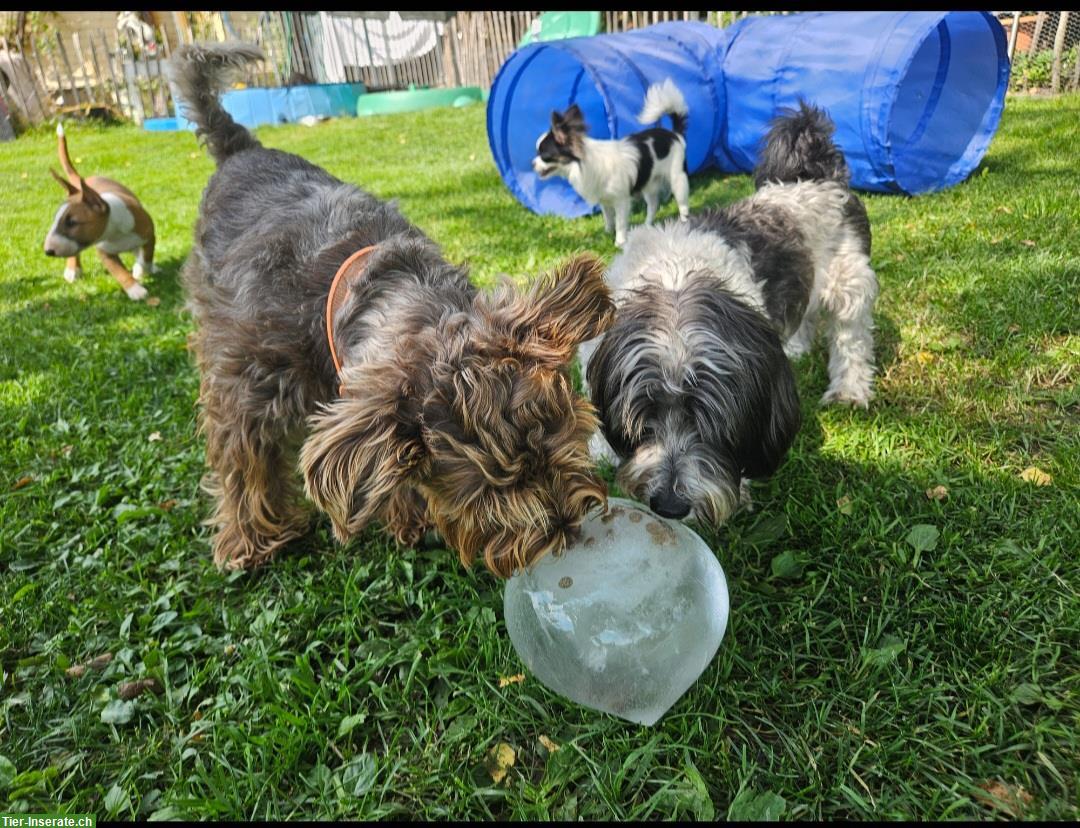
573,116
91,197
67,185
762,455
359,452
558,132
564,309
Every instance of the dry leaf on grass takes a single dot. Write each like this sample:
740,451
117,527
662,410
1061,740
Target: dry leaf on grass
1011,799
505,680
154,436
924,357
25,480
130,689
844,505
937,493
98,663
167,505
153,301
500,759
549,745
1036,476
1028,242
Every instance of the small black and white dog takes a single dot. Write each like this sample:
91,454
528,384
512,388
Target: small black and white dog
692,383
650,163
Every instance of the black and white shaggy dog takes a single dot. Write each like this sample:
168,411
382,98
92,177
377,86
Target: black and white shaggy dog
338,348
650,163
692,382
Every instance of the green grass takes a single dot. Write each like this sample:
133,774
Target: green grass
872,675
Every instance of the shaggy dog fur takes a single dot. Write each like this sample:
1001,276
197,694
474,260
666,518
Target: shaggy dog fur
456,410
692,382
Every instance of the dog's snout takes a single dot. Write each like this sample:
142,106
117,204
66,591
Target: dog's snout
50,250
667,503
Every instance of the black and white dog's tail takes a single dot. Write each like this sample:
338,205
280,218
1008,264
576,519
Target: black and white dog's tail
665,99
200,71
799,147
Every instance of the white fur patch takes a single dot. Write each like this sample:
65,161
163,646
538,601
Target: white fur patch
668,255
119,235
72,273
136,292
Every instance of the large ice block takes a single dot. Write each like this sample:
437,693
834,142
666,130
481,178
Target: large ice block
626,619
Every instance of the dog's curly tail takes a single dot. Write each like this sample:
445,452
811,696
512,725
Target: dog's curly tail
665,99
799,147
200,72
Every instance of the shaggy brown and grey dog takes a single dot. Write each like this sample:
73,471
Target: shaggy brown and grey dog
455,409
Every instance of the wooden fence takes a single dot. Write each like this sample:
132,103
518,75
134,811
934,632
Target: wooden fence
107,71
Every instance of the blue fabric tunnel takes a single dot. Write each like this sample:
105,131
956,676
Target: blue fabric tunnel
607,76
916,96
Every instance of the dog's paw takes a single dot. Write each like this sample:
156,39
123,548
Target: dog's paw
72,273
855,397
136,292
138,271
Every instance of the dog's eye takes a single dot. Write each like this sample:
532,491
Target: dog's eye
70,222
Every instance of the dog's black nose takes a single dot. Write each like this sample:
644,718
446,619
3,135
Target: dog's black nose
670,505
49,251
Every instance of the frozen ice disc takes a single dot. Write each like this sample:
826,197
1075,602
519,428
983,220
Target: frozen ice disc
626,619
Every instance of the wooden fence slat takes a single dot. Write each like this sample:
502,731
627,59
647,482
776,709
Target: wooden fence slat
117,90
67,64
44,77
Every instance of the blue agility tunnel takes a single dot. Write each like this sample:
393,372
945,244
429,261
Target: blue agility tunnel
916,96
607,76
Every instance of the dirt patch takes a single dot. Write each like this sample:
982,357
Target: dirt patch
662,534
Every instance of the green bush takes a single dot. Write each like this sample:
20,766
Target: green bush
1034,71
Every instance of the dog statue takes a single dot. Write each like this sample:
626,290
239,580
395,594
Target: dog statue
104,213
333,336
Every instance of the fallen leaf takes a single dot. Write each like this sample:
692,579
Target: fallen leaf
167,505
549,745
98,663
923,537
924,357
1037,476
505,680
23,481
1011,799
66,450
118,712
937,493
500,759
229,650
845,506
130,689
154,436
153,301
1014,328
1028,242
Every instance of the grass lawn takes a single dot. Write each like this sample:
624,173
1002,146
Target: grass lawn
891,653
